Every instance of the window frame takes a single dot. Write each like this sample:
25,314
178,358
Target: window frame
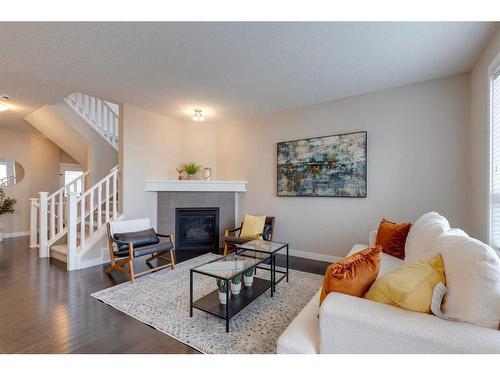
492,69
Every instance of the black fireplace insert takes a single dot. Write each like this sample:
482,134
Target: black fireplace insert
197,228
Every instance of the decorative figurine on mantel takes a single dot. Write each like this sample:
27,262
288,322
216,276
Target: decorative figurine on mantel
207,173
182,174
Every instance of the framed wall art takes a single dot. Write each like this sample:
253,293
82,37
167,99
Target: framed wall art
330,166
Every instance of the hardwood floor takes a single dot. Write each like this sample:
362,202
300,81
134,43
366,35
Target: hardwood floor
45,309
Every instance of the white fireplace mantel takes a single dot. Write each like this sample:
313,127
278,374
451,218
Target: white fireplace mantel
194,185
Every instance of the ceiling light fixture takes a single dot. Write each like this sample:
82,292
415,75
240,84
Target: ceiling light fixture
3,107
198,116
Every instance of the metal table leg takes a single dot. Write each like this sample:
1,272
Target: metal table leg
190,293
287,270
271,269
227,306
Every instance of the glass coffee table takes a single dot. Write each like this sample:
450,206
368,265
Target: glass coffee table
224,269
262,248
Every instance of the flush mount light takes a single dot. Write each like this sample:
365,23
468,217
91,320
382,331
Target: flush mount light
198,116
3,106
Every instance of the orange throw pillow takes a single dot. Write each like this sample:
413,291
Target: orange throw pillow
352,275
392,237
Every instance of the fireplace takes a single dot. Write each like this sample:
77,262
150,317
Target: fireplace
197,228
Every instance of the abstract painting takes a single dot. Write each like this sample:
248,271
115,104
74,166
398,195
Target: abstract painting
331,166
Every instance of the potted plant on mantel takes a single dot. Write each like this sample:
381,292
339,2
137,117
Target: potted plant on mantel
191,169
6,207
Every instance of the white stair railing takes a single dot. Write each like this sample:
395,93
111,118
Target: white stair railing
48,219
88,213
98,114
9,180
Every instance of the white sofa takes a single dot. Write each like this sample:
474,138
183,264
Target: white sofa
349,324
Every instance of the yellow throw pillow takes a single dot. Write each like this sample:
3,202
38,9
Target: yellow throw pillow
253,226
409,287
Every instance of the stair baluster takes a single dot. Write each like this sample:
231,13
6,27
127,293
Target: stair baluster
98,114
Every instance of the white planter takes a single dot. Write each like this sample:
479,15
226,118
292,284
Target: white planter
222,298
1,232
248,280
191,177
235,288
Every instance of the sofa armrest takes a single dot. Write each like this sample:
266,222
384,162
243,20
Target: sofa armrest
355,325
372,238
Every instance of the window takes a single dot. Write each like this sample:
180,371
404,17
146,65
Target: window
3,170
70,176
495,160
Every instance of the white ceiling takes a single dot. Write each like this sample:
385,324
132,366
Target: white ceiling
227,69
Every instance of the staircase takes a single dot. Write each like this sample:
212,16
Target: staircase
98,114
66,225
70,223
7,181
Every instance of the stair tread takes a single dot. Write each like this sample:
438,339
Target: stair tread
61,248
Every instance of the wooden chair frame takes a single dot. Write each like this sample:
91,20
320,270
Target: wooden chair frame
118,263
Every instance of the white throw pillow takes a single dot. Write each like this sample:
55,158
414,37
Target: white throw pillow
420,243
472,271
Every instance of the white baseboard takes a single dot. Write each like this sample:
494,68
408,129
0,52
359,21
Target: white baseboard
314,256
16,234
89,263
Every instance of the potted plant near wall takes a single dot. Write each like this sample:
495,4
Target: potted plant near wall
248,277
222,286
236,285
191,169
6,207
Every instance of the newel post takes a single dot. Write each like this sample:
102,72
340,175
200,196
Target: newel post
72,220
33,223
43,250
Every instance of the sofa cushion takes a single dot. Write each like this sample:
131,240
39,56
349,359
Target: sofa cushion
236,240
410,286
140,238
302,335
472,272
392,237
357,325
162,246
352,275
421,240
387,262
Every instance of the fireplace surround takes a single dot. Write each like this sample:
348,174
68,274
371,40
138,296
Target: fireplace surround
168,202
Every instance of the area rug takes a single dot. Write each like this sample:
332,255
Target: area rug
161,300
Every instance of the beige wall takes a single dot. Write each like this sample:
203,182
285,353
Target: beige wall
417,161
40,160
479,139
198,144
66,158
151,149
71,133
